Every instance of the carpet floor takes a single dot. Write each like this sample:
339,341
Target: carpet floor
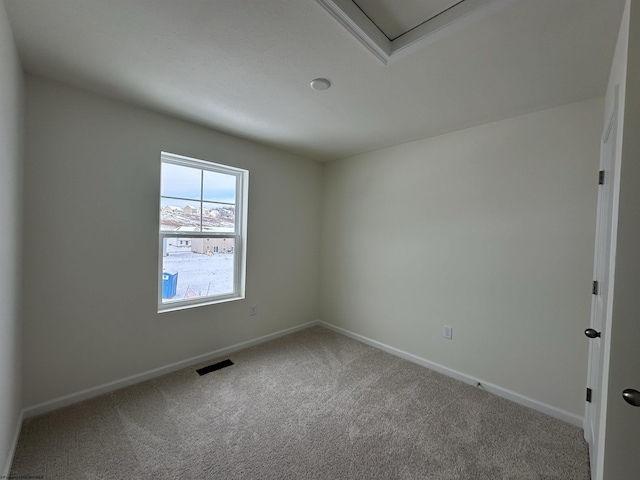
311,405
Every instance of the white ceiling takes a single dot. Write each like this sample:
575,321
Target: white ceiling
244,66
395,17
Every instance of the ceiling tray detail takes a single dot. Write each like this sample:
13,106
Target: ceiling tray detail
356,21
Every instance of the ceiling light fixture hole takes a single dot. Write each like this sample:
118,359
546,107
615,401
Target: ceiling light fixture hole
320,84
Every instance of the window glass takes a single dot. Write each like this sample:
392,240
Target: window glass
202,222
180,182
218,217
219,187
182,215
196,268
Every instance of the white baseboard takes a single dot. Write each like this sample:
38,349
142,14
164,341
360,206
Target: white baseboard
66,400
550,410
13,446
70,399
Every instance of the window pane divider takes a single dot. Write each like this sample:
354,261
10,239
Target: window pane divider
166,234
195,200
237,235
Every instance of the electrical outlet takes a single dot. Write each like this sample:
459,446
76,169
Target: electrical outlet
253,310
447,332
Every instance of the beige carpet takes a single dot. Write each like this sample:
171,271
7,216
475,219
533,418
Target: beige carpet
312,405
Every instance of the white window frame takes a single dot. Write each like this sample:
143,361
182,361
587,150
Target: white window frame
239,235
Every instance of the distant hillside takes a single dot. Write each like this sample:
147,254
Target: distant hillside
215,219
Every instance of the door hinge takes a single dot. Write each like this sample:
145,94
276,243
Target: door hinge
594,289
601,177
589,395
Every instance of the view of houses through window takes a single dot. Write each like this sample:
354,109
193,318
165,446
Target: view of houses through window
200,229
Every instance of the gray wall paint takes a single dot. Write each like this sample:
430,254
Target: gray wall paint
92,172
490,230
11,111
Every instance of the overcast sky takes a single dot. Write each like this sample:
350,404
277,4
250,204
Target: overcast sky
185,182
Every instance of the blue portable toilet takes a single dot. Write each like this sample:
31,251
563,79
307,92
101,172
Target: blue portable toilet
169,284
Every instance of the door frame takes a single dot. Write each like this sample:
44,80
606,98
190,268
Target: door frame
605,246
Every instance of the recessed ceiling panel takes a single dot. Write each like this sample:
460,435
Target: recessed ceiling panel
391,29
395,17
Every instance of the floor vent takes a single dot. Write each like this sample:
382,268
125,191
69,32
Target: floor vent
214,367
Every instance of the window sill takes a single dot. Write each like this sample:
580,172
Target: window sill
183,305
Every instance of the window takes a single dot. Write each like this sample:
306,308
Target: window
202,208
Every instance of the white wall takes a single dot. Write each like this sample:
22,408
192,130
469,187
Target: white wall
11,112
92,173
490,230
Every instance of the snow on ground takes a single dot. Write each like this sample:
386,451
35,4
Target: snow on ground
199,273
221,219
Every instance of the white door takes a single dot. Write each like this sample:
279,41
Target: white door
601,294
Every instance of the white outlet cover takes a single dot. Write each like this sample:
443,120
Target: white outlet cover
447,332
